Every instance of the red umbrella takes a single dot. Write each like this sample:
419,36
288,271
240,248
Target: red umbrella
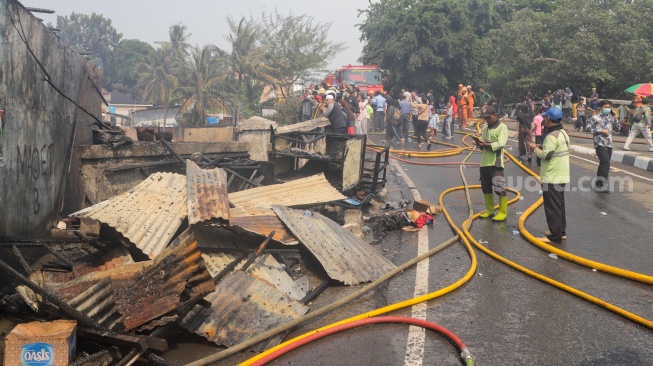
645,89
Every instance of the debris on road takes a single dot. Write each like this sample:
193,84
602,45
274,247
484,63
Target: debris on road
182,254
406,220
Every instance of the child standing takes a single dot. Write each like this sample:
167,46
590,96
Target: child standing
537,130
581,118
434,120
447,126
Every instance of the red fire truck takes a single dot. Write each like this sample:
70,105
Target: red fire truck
367,78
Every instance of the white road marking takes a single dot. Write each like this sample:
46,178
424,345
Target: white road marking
417,335
615,169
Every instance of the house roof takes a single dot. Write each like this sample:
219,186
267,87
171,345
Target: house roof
118,97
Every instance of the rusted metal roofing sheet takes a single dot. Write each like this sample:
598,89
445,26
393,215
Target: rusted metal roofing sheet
98,303
148,214
241,307
344,256
158,290
306,191
265,268
206,192
262,221
146,290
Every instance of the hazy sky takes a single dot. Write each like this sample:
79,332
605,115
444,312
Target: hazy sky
149,20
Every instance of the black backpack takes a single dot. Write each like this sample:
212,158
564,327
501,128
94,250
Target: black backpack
638,115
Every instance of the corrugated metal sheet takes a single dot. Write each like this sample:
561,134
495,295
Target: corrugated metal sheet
343,255
306,191
241,307
98,303
262,221
206,192
158,290
146,290
148,214
265,268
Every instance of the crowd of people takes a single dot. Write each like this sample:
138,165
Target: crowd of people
540,132
351,110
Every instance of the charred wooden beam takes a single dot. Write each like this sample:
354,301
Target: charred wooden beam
142,343
11,240
167,146
104,357
62,305
39,10
22,260
230,267
241,177
254,255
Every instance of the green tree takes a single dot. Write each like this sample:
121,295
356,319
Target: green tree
296,47
158,79
129,56
95,35
247,58
578,44
428,44
203,72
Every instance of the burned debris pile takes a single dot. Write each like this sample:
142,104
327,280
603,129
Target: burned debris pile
180,254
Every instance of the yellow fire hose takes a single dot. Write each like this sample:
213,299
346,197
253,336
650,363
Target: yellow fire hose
466,238
566,255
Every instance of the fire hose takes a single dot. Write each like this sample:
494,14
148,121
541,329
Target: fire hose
467,239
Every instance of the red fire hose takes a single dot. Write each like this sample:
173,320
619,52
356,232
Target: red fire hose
466,356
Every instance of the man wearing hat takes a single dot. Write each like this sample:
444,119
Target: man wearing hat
554,175
492,142
334,113
642,126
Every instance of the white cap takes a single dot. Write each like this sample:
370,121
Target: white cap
329,96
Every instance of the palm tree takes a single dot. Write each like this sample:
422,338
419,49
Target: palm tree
158,79
247,55
179,40
204,72
178,44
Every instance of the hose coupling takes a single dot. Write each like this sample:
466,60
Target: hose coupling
467,356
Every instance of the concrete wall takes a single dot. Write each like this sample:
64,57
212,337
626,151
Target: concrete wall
208,134
108,172
40,126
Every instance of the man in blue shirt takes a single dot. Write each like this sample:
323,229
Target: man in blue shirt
404,107
379,105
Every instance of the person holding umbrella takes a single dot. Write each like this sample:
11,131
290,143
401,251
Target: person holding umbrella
641,124
643,111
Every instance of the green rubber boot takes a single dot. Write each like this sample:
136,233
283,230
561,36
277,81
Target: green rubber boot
489,206
503,209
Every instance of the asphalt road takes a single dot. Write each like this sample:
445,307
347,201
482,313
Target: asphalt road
504,316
